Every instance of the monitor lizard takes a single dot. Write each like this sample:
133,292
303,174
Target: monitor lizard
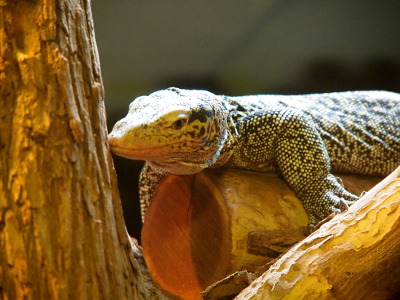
304,137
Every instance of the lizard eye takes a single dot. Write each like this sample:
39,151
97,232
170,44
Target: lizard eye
179,124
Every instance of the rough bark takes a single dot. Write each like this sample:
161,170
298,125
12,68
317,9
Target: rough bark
62,234
354,256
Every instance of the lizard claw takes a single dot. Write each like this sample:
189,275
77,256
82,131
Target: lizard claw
340,181
343,207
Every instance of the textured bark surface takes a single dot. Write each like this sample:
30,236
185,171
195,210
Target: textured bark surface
62,234
354,256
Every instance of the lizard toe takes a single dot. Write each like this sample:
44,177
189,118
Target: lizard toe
322,209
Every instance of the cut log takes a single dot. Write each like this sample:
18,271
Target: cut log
196,228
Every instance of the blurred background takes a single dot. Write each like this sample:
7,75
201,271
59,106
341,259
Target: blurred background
238,47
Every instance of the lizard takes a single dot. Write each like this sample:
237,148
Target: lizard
303,137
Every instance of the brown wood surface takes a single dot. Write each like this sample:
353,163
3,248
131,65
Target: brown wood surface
186,217
354,256
62,233
196,228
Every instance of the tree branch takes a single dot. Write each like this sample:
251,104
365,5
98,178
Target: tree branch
354,256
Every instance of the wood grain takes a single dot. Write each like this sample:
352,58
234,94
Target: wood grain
196,228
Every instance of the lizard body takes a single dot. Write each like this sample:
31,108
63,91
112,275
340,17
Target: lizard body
304,137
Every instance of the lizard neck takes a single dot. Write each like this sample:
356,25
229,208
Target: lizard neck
229,145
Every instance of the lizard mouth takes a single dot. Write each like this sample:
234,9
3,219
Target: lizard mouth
150,152
139,154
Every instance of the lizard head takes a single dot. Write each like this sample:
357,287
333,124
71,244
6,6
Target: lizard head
180,130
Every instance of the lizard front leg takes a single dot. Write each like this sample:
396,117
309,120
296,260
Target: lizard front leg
290,137
304,162
148,182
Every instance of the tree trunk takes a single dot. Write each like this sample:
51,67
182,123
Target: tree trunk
62,234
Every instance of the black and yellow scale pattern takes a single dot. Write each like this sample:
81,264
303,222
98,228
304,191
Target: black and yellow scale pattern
304,137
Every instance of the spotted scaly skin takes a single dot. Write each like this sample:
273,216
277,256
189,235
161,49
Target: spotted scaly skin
304,137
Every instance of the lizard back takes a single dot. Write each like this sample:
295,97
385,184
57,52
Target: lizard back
360,130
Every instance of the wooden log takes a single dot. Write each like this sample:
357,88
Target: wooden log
354,256
196,228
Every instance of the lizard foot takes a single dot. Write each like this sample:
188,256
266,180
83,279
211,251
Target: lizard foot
322,207
343,206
